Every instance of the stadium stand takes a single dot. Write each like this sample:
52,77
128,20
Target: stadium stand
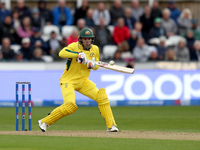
109,51
47,31
67,30
111,29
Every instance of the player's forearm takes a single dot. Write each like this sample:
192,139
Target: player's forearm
96,59
96,67
65,53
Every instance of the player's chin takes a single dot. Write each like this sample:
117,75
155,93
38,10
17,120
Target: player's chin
88,46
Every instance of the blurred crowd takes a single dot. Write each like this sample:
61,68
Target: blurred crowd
136,33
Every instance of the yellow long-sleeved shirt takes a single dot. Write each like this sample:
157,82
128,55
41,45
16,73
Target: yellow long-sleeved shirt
73,70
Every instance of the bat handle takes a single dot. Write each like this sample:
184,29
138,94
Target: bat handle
98,63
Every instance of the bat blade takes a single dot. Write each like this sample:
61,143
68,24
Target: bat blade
115,67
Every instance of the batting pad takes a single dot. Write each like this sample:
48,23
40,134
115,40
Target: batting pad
59,112
104,107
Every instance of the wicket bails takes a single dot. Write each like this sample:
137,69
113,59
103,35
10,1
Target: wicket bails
23,105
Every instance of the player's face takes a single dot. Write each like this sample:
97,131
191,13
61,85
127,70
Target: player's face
87,42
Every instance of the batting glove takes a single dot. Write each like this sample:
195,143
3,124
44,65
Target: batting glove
91,63
81,59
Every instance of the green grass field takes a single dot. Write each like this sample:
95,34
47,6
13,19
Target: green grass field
167,119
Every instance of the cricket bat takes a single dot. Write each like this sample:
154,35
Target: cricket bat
115,67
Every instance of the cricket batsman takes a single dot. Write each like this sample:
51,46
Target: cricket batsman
81,57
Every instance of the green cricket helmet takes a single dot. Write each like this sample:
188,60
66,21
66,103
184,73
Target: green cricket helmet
86,33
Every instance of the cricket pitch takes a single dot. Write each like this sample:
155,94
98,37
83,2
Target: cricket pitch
105,134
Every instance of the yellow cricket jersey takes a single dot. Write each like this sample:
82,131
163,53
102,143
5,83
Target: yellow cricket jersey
73,70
